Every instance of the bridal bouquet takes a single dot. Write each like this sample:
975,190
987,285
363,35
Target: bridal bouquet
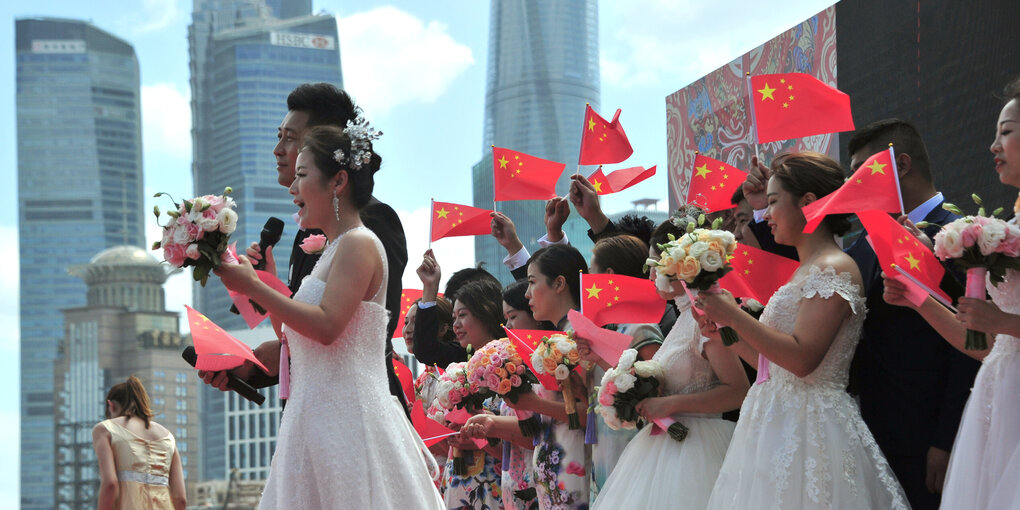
700,258
498,368
197,232
557,355
455,391
985,246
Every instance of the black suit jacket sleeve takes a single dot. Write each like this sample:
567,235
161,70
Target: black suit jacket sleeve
520,273
610,231
383,221
428,348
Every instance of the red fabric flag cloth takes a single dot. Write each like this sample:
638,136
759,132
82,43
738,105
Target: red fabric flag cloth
757,273
618,299
619,180
603,142
518,176
216,349
525,340
407,298
875,185
608,345
430,430
405,377
896,246
452,220
713,183
793,105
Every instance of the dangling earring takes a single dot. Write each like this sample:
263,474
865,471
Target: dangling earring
336,207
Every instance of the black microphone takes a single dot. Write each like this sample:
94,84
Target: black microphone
271,233
242,388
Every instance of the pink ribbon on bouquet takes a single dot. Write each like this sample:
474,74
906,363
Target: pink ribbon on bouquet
661,425
284,368
763,369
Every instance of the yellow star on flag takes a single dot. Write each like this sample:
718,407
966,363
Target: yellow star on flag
597,185
877,168
593,291
703,171
502,161
591,124
914,263
442,213
767,92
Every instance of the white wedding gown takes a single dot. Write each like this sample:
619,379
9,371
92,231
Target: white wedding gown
344,441
655,471
984,469
800,443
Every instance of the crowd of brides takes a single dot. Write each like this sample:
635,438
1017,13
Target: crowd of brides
800,440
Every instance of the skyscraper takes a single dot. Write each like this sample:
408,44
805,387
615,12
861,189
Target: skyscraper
543,68
80,186
244,62
123,330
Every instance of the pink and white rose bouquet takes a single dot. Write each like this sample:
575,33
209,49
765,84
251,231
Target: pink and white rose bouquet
984,246
198,232
623,386
498,368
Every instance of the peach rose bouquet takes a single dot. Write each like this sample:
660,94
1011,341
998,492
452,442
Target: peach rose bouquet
498,368
557,355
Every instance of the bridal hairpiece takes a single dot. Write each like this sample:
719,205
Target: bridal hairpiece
361,134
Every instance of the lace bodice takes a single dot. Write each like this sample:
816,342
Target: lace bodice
1007,297
687,371
781,314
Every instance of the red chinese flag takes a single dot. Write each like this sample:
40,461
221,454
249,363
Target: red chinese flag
895,246
618,299
603,142
518,176
713,183
405,377
526,340
216,349
425,427
619,180
452,220
757,273
407,298
875,185
793,105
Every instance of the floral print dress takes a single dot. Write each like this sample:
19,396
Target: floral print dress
519,491
480,488
560,477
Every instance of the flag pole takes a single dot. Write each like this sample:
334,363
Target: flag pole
432,211
580,150
754,125
691,181
896,177
580,276
493,177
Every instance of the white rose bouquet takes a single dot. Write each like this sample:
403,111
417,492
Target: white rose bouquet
984,246
700,258
557,355
198,232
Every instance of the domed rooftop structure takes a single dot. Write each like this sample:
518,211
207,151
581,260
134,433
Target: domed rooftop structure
125,276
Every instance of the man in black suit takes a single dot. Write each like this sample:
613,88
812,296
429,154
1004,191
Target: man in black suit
312,105
912,385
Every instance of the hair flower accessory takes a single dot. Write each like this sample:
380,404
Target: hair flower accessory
361,134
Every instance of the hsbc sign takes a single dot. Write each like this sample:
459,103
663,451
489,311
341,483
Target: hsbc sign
295,40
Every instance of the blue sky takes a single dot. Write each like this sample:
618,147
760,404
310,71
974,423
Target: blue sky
418,69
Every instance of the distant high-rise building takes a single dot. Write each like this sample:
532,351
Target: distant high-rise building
543,68
245,60
123,330
79,192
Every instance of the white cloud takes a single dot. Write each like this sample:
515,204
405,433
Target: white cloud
150,16
166,121
452,253
391,58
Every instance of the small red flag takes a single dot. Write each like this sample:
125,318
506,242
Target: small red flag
407,298
452,220
215,348
619,180
518,176
615,299
526,340
603,142
875,185
713,183
895,246
757,273
405,377
429,429
793,105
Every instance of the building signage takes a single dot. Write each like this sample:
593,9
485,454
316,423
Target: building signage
295,40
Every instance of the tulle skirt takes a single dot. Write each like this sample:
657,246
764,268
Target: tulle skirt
657,472
984,470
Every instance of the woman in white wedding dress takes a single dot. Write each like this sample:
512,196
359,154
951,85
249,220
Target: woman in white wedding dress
984,468
344,441
800,442
702,380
